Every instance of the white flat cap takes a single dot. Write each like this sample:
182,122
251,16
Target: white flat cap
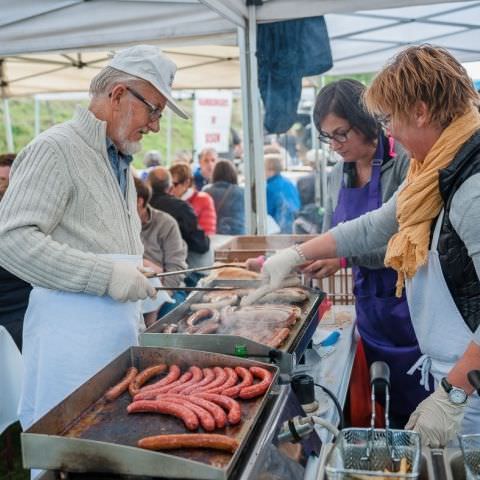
151,64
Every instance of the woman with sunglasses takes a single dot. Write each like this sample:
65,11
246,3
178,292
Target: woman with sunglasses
371,168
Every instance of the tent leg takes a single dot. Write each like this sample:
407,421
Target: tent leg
169,137
8,125
256,218
37,116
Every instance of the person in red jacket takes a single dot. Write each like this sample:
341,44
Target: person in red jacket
201,202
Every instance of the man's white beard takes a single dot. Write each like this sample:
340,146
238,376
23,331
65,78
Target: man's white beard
125,146
130,148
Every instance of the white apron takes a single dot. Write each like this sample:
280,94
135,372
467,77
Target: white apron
67,338
443,335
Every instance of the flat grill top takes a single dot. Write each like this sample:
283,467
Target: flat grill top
308,308
85,415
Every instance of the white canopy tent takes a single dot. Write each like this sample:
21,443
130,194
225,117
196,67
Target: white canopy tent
58,45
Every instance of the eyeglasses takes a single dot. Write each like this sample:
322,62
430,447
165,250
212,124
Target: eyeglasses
339,137
155,113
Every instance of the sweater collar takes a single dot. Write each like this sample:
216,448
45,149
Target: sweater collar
90,128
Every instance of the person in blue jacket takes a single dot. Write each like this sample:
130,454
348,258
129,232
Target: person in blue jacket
283,201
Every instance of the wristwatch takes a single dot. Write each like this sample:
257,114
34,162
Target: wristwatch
456,395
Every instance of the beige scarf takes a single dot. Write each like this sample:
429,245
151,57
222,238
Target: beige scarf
419,203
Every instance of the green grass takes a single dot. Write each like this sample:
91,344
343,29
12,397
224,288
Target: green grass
17,473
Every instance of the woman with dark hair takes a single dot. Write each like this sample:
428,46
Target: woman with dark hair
371,168
228,198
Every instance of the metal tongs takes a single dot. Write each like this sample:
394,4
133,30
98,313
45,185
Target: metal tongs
193,270
380,380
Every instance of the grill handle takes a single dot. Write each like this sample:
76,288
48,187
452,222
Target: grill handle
474,379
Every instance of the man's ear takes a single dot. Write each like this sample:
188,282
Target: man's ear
116,94
140,202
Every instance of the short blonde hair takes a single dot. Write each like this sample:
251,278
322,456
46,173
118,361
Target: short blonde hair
422,73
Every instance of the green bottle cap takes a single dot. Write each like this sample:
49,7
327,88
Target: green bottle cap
241,350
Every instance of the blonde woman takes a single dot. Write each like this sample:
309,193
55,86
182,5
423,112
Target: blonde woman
432,227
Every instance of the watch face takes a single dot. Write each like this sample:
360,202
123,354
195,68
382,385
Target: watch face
457,396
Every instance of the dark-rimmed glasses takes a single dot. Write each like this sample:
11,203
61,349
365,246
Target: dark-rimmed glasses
154,113
339,137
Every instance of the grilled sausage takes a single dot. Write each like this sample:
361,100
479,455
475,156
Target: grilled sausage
144,376
173,374
208,377
232,378
220,379
197,376
189,440
149,394
260,388
247,380
207,327
217,412
204,416
201,315
122,386
188,417
234,412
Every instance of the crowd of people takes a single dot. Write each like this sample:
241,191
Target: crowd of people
79,229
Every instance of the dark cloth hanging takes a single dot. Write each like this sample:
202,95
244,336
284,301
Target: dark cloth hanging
286,52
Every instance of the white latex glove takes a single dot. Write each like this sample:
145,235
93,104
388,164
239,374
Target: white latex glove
274,272
436,419
128,284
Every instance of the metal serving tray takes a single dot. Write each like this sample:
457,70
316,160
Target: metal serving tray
285,357
84,433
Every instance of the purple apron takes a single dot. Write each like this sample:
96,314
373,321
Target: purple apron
383,320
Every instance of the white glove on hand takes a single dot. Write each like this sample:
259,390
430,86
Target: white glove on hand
436,419
274,272
128,284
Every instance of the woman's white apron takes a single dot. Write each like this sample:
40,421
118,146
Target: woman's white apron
441,331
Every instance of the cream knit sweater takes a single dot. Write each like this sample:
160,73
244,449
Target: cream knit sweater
64,206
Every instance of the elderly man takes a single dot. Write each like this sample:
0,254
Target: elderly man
203,174
69,225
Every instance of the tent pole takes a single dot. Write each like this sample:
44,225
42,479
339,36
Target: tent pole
255,192
8,125
37,116
317,159
169,137
246,121
257,126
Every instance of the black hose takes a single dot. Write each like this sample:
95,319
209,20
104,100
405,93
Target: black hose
341,423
